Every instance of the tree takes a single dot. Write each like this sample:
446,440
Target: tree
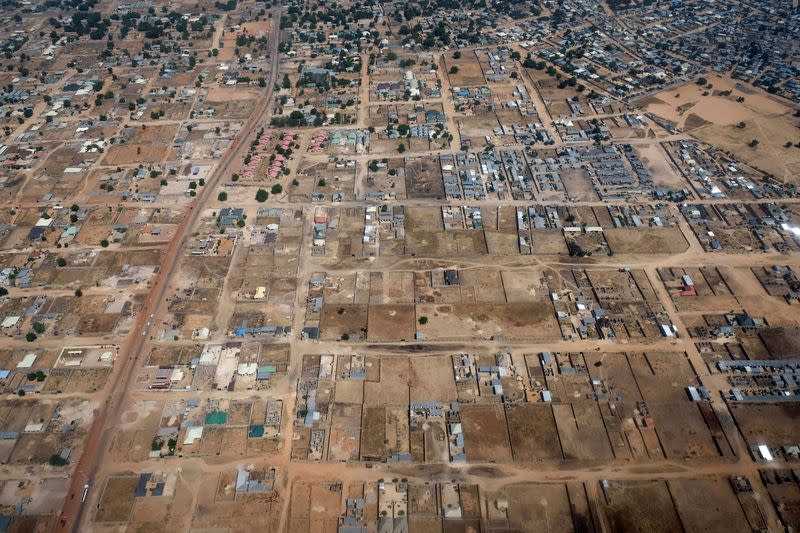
3,291
104,243
222,196
78,293
57,460
454,70
423,320
753,143
401,148
277,188
261,195
457,54
38,327
61,262
30,336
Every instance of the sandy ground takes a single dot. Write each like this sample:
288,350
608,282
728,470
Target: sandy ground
715,119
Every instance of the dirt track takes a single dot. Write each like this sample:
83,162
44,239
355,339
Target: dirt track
107,416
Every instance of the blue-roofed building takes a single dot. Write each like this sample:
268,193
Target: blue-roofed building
141,485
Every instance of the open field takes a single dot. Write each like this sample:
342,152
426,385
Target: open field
714,119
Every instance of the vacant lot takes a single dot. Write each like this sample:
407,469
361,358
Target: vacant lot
540,507
391,322
117,499
773,425
524,320
533,432
339,320
646,241
640,506
707,505
485,433
431,379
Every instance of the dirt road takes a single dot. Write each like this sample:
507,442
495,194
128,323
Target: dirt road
96,444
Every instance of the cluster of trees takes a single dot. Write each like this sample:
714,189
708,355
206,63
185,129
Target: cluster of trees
230,5
439,36
93,24
262,195
296,118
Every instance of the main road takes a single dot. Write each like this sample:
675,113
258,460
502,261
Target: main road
108,414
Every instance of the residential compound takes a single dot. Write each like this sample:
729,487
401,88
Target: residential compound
403,265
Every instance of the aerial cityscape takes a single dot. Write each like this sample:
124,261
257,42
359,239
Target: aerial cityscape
392,266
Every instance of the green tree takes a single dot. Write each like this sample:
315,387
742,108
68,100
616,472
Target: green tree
277,188
261,195
222,196
56,459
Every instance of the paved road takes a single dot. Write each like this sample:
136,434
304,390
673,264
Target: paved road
107,416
